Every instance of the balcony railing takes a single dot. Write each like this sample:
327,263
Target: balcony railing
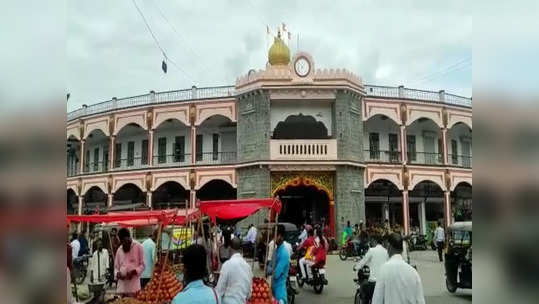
431,96
73,171
130,163
153,98
393,157
96,167
211,158
425,158
228,91
303,149
172,160
464,161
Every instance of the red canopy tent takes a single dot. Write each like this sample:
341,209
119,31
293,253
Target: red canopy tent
235,209
139,218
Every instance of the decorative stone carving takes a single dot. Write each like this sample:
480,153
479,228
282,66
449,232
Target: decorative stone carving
149,119
148,181
405,177
111,124
323,181
192,179
444,117
192,114
404,113
447,178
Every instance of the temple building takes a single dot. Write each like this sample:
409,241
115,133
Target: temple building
331,147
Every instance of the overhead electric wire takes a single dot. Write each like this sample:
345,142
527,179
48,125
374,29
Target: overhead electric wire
463,63
158,44
181,38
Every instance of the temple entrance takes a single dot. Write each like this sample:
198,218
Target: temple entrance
303,204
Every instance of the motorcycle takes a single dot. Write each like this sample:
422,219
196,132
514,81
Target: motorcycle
318,281
362,278
417,242
80,268
291,284
349,250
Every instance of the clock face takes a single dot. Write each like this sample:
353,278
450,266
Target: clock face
302,67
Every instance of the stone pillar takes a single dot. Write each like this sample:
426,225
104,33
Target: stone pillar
405,212
349,196
81,202
110,199
404,156
447,208
150,148
193,144
332,218
82,155
253,182
401,91
192,199
422,217
149,199
111,153
444,146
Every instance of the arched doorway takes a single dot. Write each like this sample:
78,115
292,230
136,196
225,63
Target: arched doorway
426,206
300,127
170,195
303,204
128,197
72,202
461,202
383,201
216,190
95,200
306,196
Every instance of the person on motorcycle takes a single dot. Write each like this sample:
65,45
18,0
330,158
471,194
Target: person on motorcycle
317,258
347,233
374,258
309,241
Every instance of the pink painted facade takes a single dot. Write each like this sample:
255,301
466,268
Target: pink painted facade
210,115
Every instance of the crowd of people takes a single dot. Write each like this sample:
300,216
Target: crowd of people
391,279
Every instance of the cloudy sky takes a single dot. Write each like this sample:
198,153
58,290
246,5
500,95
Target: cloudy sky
110,52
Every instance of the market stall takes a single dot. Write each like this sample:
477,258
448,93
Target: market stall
164,284
240,209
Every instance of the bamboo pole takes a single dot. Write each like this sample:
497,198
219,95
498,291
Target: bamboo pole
267,245
274,253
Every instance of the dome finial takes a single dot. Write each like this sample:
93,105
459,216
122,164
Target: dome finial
279,53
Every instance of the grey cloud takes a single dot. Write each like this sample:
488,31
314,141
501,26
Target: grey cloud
110,53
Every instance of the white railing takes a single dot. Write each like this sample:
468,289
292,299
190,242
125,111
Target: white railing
229,91
152,98
303,149
432,96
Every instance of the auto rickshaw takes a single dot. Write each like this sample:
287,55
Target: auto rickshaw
458,256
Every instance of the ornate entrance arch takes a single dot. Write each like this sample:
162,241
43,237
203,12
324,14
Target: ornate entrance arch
322,181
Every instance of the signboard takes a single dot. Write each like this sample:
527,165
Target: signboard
181,238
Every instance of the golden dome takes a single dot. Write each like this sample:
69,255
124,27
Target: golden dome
279,54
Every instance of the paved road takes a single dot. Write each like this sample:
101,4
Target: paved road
341,288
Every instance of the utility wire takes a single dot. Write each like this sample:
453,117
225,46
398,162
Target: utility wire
182,39
157,42
451,68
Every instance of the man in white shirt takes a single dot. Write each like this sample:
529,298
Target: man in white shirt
149,250
235,280
439,236
251,234
374,258
75,246
303,236
396,281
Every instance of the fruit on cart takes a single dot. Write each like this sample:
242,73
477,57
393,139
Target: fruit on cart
163,286
260,292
